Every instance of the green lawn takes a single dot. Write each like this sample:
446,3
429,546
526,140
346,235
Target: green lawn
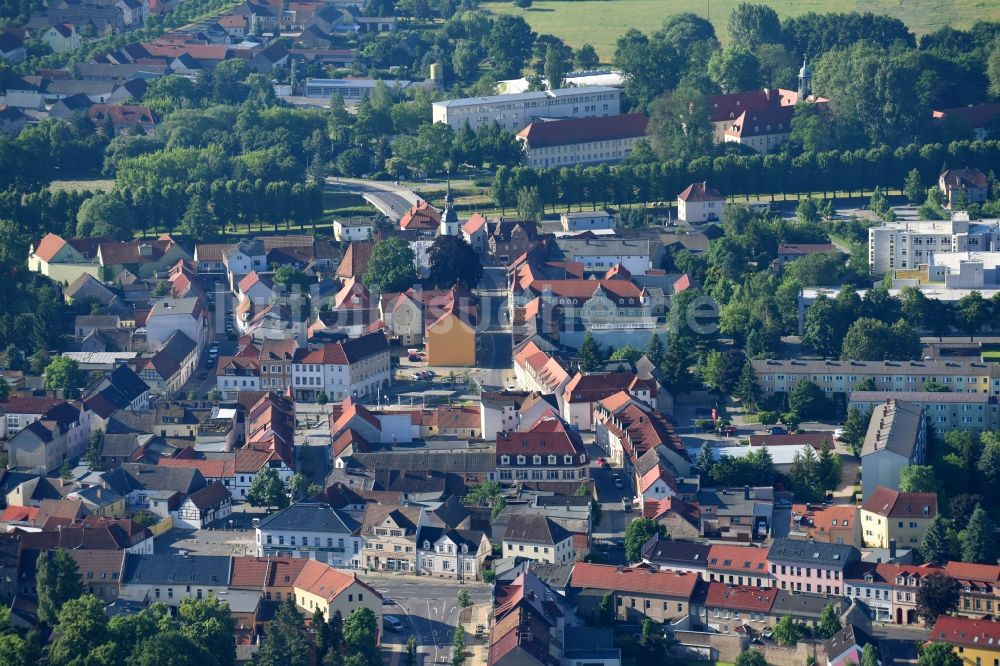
601,22
94,184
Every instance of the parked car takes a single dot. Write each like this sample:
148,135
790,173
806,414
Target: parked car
776,430
728,431
627,504
619,483
388,601
392,623
413,358
838,434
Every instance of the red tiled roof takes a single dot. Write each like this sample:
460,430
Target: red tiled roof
49,246
743,598
759,122
19,514
973,572
967,632
210,469
475,223
122,115
640,580
975,117
548,436
740,559
421,216
730,106
963,178
564,132
894,504
356,259
696,192
28,405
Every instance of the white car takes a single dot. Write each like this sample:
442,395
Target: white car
838,434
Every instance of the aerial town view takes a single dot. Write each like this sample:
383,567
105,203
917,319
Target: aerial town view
499,332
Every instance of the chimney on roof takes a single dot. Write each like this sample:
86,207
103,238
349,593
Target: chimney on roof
746,492
892,549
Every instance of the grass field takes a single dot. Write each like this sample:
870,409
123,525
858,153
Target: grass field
601,22
96,184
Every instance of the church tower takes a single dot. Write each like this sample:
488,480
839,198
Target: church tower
449,218
805,80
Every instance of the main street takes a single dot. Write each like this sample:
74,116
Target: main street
428,609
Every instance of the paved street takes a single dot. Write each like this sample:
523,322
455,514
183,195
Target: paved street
428,609
390,199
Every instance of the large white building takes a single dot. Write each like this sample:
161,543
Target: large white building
907,245
964,270
514,112
581,140
357,368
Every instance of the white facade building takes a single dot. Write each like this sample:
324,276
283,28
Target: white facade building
907,245
700,203
514,112
587,221
352,368
313,531
175,314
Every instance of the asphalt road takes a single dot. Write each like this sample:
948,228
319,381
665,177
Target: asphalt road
392,200
427,608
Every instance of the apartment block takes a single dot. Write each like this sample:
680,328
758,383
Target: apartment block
514,112
944,410
906,245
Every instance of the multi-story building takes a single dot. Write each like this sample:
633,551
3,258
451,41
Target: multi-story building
843,377
514,112
943,410
738,565
352,368
640,593
313,531
906,245
888,515
390,537
804,566
275,364
536,537
558,143
979,587
726,608
547,451
451,553
896,438
700,203
962,187
172,578
736,514
176,314
975,641
584,220
61,433
600,255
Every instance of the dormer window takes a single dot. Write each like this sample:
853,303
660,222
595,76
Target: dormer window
520,460
552,460
583,457
427,544
504,460
536,460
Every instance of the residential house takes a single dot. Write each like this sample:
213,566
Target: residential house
638,593
450,336
975,641
896,438
352,368
12,120
64,260
538,538
474,233
172,578
738,565
548,450
680,556
87,288
499,411
204,506
509,239
120,389
319,587
630,432
527,625
587,220
313,531
537,370
124,118
572,141
681,518
18,412
60,434
837,524
101,572
61,37
390,537
176,314
979,586
355,260
353,229
763,130
736,514
151,487
963,187
444,552
806,608
582,398
12,47
847,646
607,256
275,364
889,516
788,252
171,366
237,373
728,609
804,566
700,203
143,258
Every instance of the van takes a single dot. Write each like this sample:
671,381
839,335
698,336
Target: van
392,623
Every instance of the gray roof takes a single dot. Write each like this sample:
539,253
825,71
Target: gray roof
922,396
556,576
812,552
602,247
844,640
212,570
419,461
895,427
172,306
533,528
659,551
137,476
119,444
310,517
804,605
519,97
562,500
931,368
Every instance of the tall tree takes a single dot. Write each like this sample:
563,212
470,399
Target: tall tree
971,312
63,374
392,266
591,359
705,462
452,260
938,654
679,126
913,188
57,581
555,66
918,479
82,628
198,222
751,25
787,631
750,658
655,350
869,655
586,58
361,636
808,400
829,622
934,547
938,595
734,68
979,540
638,532
285,643
509,44
267,490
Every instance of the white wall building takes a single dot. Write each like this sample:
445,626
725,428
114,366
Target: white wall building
313,531
581,140
700,203
587,220
514,112
355,229
907,245
352,368
175,314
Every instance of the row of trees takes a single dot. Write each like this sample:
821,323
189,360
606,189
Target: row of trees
851,171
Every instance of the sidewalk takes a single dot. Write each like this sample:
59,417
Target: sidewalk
477,649
409,578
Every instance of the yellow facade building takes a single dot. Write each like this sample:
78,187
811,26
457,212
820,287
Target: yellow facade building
889,514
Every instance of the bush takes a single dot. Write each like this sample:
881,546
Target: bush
791,419
703,424
482,182
767,418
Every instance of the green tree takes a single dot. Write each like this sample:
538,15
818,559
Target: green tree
734,68
411,652
829,622
655,350
57,581
676,362
918,479
63,374
750,658
529,204
198,222
705,462
299,486
392,266
82,627
971,312
463,598
361,636
4,389
829,468
322,398
15,651
869,339
808,400
210,624
628,354
93,454
638,532
483,494
586,58
938,595
722,370
679,126
555,66
452,260
869,656
938,654
787,631
267,490
855,429
591,359
508,44
105,214
285,643
914,189
752,25
934,547
169,648
606,609
979,541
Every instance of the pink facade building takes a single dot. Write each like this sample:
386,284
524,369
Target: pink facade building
810,566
